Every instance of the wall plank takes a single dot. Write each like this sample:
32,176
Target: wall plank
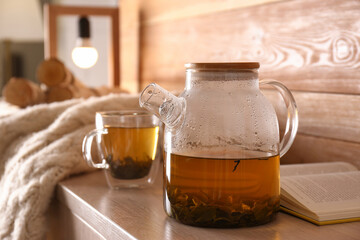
309,45
308,149
334,116
156,11
129,13
312,46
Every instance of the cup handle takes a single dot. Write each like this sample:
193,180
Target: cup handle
292,121
86,148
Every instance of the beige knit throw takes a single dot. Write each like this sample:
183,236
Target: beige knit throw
39,146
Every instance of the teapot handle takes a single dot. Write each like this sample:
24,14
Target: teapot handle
292,121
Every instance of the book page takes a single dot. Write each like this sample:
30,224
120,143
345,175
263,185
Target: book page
325,193
315,168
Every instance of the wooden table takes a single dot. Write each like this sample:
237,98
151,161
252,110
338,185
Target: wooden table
85,208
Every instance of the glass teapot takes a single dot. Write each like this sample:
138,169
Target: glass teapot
222,145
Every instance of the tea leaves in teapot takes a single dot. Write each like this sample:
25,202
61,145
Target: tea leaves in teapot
191,210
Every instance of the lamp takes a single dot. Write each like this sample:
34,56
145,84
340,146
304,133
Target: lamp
51,12
84,55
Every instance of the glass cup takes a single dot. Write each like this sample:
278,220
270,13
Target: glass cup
127,142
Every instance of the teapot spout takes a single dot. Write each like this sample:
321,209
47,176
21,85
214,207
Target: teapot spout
165,105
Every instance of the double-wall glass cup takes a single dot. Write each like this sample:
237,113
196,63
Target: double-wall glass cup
127,143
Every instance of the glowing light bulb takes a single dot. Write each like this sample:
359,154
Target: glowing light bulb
84,55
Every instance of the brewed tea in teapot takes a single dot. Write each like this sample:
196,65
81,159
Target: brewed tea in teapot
222,145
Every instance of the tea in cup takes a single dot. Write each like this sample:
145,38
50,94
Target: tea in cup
128,145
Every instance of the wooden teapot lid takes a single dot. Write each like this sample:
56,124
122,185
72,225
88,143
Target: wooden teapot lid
223,65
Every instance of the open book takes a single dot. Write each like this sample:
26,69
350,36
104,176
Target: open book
322,193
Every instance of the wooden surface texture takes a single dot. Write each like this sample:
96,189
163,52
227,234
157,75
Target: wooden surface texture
64,224
138,214
129,13
307,149
312,46
329,127
135,14
308,45
334,116
157,11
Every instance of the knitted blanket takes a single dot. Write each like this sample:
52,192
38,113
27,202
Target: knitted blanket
39,146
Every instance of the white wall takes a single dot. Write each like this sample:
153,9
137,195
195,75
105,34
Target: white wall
20,20
100,36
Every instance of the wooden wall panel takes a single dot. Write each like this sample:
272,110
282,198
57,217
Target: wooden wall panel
309,45
312,46
156,11
329,127
308,149
334,116
134,13
129,12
